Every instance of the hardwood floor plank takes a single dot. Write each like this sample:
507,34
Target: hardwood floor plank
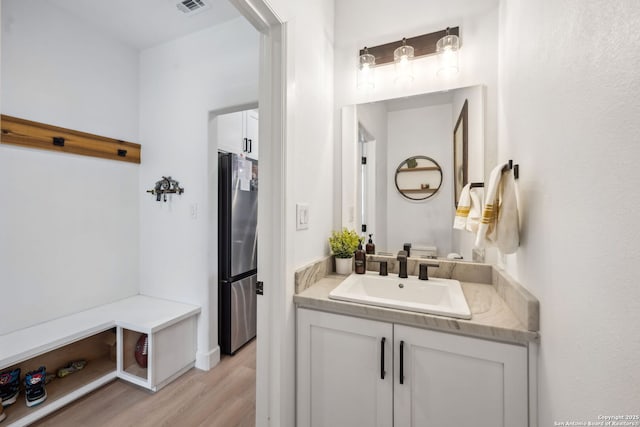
224,396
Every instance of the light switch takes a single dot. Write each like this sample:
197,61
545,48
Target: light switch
302,216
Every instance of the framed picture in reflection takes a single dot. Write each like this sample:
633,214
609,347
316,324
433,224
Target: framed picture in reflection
460,152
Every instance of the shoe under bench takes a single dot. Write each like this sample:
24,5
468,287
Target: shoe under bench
105,336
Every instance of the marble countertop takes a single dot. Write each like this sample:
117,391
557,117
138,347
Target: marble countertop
491,317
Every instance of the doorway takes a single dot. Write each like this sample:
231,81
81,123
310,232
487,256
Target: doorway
271,202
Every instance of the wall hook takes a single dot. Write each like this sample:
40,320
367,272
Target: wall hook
516,169
166,186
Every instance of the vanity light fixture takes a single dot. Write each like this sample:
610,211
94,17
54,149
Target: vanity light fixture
448,47
365,70
402,57
402,52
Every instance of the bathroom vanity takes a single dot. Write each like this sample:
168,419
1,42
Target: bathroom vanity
360,364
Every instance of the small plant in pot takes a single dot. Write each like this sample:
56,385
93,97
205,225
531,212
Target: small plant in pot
343,244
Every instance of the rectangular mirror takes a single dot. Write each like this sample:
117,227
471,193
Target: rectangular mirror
377,137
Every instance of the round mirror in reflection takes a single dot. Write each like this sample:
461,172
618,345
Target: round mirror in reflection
418,177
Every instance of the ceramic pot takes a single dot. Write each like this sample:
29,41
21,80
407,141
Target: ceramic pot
344,265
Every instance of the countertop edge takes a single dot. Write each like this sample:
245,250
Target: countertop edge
421,320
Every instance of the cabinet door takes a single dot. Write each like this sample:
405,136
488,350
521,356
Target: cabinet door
251,133
450,380
339,378
229,132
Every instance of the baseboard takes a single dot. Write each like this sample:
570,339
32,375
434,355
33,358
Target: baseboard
206,361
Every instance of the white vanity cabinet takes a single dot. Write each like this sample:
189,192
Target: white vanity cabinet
440,379
339,379
451,380
237,132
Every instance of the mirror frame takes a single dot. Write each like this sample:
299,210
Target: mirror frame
461,152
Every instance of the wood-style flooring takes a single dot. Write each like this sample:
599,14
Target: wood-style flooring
224,396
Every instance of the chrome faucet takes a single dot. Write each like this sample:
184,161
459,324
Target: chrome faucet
402,268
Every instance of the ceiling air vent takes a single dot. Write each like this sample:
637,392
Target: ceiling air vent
192,6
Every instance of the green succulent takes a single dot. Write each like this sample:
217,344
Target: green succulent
344,243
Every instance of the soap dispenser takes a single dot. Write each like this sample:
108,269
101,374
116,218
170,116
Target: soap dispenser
361,260
371,247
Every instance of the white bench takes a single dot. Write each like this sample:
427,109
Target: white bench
106,337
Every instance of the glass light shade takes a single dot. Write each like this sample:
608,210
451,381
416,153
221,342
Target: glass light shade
402,57
365,70
447,48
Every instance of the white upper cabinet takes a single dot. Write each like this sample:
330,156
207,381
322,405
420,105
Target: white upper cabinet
237,132
251,133
229,132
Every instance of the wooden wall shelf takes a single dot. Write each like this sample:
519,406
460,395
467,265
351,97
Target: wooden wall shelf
419,169
26,133
418,190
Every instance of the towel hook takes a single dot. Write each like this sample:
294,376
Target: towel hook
510,166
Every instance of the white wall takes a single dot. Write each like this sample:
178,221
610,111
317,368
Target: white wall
311,148
60,69
420,131
311,128
180,83
569,93
68,223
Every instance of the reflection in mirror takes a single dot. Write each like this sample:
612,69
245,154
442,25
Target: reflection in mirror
417,178
379,136
460,152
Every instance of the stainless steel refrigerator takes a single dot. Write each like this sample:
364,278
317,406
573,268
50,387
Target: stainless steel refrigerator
237,250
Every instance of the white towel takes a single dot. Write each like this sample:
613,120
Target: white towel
475,212
469,210
499,226
462,211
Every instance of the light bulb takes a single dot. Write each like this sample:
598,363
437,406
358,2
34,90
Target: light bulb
404,70
447,48
365,70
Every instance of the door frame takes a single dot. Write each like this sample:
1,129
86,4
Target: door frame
271,378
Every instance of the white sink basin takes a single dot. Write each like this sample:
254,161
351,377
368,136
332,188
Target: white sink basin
434,296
